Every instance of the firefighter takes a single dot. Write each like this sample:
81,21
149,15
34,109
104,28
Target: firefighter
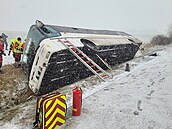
1,53
4,40
17,52
23,45
12,47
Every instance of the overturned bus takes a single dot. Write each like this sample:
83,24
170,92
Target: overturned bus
56,56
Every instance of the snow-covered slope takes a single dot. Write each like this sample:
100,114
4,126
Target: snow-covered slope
139,99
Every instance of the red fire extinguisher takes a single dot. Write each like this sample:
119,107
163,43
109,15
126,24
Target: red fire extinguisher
77,101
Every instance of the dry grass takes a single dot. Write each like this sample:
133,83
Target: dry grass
148,45
10,76
13,87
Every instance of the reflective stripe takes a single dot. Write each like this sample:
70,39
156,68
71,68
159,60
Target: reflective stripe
48,113
54,116
57,107
54,106
53,111
57,120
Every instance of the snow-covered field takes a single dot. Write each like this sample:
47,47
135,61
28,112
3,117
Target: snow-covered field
139,99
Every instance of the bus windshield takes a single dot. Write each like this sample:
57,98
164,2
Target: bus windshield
49,31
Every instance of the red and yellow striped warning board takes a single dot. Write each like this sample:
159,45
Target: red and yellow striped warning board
51,111
55,110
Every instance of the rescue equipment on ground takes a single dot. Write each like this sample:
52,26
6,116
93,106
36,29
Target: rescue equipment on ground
127,68
77,101
50,111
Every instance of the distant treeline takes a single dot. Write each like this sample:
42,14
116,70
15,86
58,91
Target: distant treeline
162,39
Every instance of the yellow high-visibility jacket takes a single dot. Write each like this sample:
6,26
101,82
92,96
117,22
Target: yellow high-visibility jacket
12,44
18,47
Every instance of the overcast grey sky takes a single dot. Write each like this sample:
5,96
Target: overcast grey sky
125,15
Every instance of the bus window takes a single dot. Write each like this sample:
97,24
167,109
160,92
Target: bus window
33,40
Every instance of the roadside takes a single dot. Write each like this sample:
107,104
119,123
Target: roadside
22,115
140,100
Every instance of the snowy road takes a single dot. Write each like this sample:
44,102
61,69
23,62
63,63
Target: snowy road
140,100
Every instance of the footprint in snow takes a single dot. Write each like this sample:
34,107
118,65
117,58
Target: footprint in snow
149,95
139,105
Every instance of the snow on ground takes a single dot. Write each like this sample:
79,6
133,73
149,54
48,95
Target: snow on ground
139,99
8,59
